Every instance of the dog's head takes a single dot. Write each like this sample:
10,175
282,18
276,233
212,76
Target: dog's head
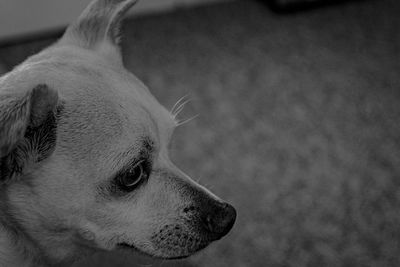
84,153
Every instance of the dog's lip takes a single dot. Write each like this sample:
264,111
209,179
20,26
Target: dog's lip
129,246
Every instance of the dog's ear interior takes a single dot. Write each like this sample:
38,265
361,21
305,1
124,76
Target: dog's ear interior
28,124
98,25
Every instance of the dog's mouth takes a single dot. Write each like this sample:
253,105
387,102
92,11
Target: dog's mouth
132,248
182,239
126,246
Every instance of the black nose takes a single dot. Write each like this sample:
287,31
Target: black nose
220,220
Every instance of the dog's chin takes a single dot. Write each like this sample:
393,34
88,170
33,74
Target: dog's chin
133,249
167,256
126,246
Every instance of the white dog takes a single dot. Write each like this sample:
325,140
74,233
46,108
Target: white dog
84,164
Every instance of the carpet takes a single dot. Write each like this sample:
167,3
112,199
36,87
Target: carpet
298,126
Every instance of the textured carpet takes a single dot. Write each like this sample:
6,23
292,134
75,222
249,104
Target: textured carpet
298,127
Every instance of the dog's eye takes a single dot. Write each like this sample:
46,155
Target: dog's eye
132,177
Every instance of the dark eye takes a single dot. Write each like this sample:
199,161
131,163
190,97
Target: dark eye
133,176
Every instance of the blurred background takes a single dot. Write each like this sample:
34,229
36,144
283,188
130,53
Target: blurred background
298,125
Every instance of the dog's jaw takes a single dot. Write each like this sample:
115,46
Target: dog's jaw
17,249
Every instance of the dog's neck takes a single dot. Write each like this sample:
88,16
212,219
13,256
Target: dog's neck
8,255
16,249
11,251
19,247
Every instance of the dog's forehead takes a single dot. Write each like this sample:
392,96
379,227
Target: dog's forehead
139,104
127,101
103,101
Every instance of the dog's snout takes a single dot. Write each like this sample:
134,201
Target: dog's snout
214,217
220,220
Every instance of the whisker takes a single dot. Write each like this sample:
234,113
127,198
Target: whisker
180,107
173,109
179,123
198,179
208,186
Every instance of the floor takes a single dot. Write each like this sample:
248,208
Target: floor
298,126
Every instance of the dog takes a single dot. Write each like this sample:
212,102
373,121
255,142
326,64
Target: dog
84,162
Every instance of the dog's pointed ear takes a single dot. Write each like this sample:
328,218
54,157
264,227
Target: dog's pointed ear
98,25
27,128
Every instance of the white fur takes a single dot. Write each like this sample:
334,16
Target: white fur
55,205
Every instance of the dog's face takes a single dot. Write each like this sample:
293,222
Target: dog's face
84,153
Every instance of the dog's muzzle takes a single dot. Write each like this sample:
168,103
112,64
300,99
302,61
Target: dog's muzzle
202,219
